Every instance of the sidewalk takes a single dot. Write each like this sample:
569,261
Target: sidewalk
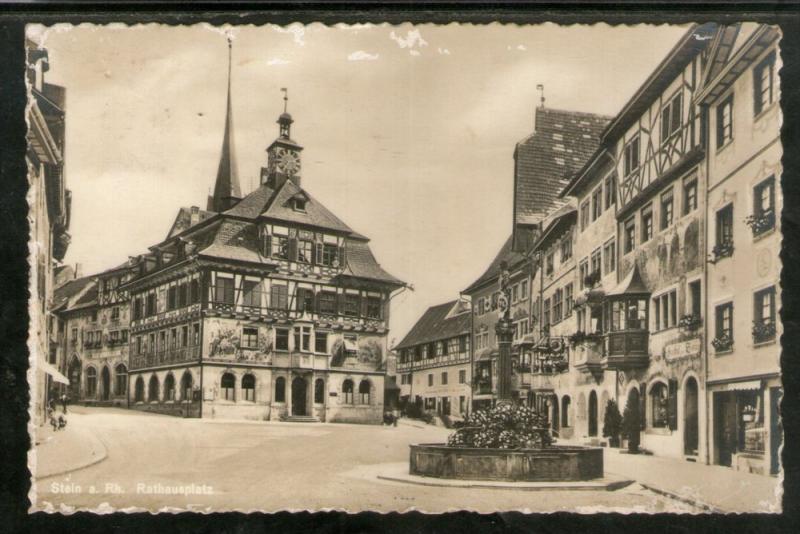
717,488
66,450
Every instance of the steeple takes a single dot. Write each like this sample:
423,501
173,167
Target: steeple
226,189
283,155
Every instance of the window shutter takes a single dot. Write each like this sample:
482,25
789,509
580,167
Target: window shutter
643,406
268,246
292,249
672,414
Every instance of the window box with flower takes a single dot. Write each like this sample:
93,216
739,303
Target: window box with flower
761,222
722,343
763,331
723,250
690,322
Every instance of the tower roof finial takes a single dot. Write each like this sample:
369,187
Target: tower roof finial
540,88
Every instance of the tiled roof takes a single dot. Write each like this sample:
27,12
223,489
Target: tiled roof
506,254
559,147
435,325
184,219
234,240
89,298
63,294
361,263
254,204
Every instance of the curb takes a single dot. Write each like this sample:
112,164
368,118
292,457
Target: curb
100,457
686,500
609,485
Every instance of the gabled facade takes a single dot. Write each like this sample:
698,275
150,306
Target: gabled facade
743,240
433,361
263,308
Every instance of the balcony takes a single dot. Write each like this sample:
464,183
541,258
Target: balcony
589,355
627,349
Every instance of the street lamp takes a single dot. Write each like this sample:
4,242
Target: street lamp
504,337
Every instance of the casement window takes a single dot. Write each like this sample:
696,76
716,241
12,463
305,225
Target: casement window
764,315
665,312
695,299
583,272
302,338
320,342
724,320
569,301
151,304
596,262
151,345
631,156
764,206
557,305
671,117
196,334
431,353
566,248
647,223
115,313
281,339
689,195
523,290
611,191
184,336
183,298
223,292
172,297
280,389
462,376
764,84
444,378
173,338
480,306
279,247
514,293
667,209
194,290
162,341
584,214
549,263
305,251
330,254
430,379
251,294
249,388
610,256
327,302
305,299
629,235
138,344
249,338
137,309
94,316
418,353
725,121
351,305
597,203
546,313
725,226
279,296
228,387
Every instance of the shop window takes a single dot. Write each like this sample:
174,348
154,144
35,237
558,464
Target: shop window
186,386
152,389
319,391
280,389
659,405
169,388
363,392
249,387
228,386
121,376
91,382
347,391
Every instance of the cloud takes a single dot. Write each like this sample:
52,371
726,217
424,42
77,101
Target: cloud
443,51
413,39
277,61
518,47
360,55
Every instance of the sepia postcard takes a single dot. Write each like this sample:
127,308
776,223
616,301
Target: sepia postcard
386,268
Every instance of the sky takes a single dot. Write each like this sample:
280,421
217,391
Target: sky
408,131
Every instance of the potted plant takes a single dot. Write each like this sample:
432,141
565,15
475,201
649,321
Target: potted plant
761,223
631,424
723,250
763,331
612,423
690,322
722,342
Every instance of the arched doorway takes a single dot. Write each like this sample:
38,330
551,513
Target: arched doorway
634,405
74,374
138,395
299,396
690,414
105,384
593,414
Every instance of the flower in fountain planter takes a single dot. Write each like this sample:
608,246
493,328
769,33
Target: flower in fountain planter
503,427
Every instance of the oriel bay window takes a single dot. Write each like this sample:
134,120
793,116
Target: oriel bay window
302,338
373,307
351,304
223,291
305,251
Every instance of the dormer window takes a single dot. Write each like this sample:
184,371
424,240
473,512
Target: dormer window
299,204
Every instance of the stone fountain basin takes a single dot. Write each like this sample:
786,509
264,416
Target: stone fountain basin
554,463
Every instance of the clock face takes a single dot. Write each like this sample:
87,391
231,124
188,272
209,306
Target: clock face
287,161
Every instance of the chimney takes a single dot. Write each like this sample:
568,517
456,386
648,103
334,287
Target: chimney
195,216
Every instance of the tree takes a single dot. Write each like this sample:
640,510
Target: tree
612,423
631,421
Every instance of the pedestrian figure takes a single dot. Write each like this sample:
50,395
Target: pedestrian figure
64,403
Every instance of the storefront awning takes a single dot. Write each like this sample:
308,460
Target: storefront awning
485,354
748,385
52,371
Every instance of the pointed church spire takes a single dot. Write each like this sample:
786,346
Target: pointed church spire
226,189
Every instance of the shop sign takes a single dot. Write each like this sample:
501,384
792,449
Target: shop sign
683,349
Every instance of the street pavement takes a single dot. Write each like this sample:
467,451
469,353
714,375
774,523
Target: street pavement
157,462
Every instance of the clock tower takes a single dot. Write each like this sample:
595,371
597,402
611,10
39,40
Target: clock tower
283,155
